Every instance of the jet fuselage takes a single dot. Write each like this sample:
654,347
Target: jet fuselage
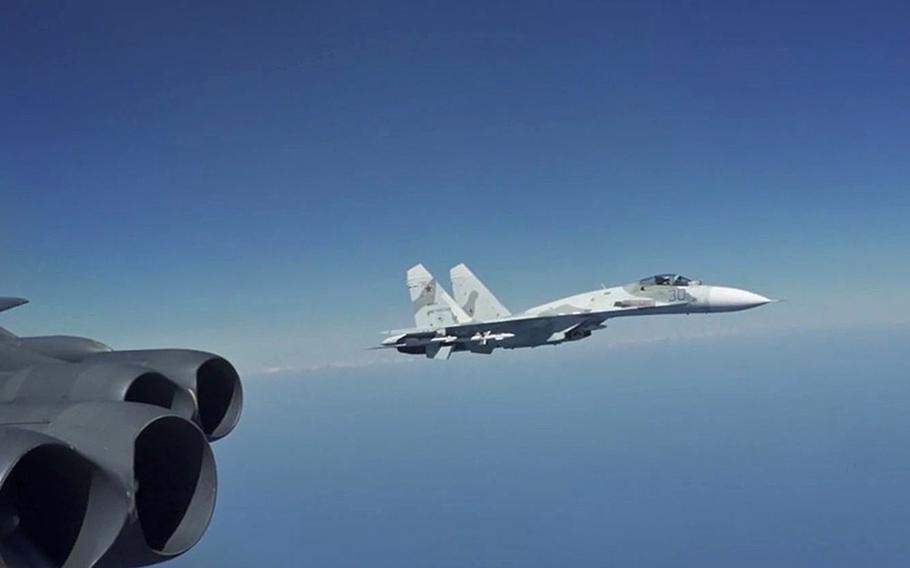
476,321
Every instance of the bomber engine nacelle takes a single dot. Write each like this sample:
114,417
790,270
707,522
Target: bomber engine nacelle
85,382
56,507
212,380
65,347
126,484
163,460
105,457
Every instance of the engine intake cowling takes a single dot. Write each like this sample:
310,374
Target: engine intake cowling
56,507
64,347
84,382
162,460
213,380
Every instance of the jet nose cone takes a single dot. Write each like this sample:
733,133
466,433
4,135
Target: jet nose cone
724,299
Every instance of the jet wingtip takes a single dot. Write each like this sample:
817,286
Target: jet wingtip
10,303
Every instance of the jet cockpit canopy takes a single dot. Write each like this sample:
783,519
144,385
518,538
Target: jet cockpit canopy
668,280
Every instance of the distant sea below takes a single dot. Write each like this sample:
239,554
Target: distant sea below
785,449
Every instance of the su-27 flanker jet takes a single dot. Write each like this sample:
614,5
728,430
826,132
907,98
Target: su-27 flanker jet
105,457
477,322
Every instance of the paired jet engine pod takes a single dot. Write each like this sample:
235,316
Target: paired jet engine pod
63,347
102,484
162,460
105,456
84,382
213,381
57,508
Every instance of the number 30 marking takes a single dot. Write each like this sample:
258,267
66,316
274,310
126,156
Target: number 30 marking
678,295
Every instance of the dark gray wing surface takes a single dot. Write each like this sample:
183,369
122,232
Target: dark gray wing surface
7,303
520,324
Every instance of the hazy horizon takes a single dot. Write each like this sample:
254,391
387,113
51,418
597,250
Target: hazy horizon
254,179
785,450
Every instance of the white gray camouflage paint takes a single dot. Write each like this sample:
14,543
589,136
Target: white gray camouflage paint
476,321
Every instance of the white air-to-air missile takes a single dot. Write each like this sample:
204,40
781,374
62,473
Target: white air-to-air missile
477,322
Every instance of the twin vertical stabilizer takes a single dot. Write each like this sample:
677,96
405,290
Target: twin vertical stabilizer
474,298
433,307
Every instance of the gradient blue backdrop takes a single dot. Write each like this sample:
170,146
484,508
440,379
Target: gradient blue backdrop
213,172
254,178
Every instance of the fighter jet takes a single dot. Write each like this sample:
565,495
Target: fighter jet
477,322
104,455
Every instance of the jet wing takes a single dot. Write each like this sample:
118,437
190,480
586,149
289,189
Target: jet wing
521,323
578,319
10,303
481,333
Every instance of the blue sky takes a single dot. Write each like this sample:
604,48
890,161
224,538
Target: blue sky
254,178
